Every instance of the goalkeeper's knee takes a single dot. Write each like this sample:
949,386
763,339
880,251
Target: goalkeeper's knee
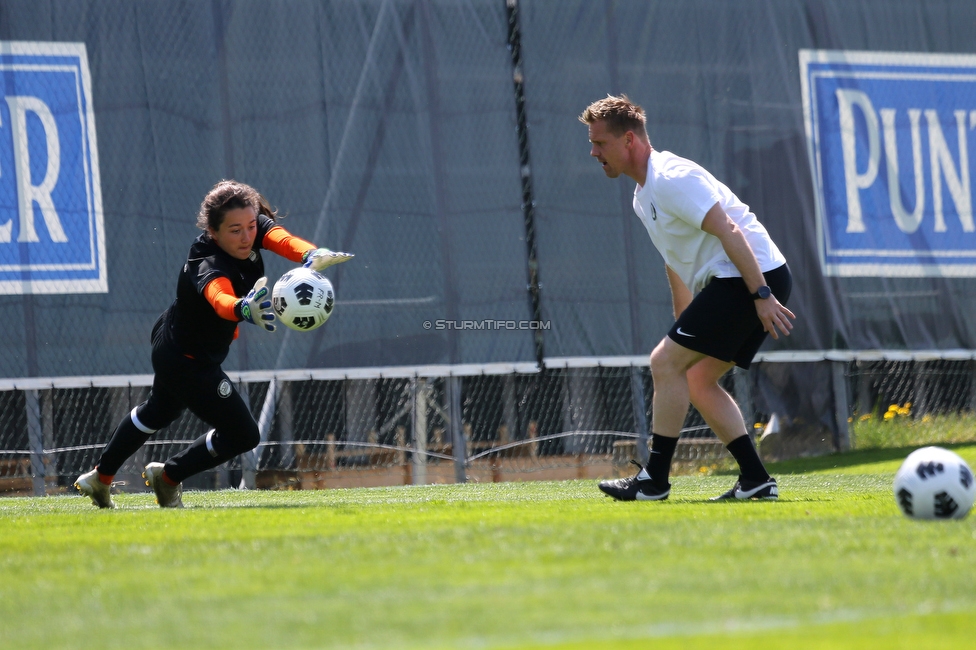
222,445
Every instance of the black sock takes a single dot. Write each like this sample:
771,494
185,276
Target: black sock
659,464
208,451
751,467
191,461
125,441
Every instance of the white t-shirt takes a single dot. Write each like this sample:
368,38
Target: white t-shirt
672,204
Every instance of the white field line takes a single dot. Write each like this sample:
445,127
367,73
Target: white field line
696,628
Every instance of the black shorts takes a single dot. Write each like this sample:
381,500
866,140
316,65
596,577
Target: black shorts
721,321
181,383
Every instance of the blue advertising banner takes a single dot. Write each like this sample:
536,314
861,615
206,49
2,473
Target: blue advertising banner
52,237
889,135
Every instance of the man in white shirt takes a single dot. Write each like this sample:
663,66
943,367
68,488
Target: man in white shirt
728,285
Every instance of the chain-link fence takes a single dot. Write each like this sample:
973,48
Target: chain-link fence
580,418
439,141
361,427
930,386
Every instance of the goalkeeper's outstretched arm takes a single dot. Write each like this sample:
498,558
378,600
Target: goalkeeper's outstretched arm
280,241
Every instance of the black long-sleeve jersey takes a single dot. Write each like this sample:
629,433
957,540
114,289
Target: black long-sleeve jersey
190,324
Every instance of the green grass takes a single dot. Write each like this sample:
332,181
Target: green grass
832,564
900,429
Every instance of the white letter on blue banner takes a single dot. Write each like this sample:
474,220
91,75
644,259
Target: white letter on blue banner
889,136
52,237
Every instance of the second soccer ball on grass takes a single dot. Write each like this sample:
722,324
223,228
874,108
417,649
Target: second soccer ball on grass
303,299
934,483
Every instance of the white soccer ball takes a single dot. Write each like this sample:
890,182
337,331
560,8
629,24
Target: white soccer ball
302,299
934,483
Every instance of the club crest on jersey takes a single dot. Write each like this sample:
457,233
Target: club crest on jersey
224,388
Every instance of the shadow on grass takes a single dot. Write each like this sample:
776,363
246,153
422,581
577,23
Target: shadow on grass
851,458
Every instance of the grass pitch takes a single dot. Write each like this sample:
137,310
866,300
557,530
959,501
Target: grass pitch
832,564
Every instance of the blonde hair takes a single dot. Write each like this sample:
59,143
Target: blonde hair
619,113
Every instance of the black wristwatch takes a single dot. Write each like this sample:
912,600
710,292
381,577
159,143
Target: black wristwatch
762,293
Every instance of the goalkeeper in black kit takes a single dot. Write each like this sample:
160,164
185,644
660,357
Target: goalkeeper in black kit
221,284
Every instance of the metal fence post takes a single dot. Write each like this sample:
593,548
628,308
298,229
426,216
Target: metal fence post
972,384
838,371
266,418
286,423
249,459
510,410
35,438
742,388
640,413
457,428
418,387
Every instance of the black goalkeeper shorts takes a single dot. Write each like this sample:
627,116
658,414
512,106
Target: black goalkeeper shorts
721,321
